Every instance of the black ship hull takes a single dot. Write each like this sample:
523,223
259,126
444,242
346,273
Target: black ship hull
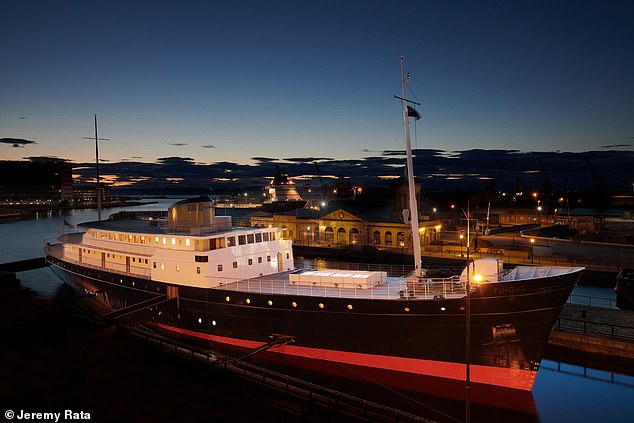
410,343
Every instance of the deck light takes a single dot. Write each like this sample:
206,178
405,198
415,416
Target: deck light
349,306
248,301
269,302
227,299
478,278
321,305
406,309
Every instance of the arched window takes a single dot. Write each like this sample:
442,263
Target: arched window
341,236
354,236
388,238
376,238
329,235
400,239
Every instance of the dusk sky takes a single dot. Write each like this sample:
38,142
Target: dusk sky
227,81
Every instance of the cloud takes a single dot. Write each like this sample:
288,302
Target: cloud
45,159
16,142
209,146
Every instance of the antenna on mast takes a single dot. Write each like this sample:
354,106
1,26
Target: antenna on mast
97,139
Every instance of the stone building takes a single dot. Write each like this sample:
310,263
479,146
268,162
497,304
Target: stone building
348,228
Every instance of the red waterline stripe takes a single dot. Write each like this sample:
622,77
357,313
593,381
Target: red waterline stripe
489,375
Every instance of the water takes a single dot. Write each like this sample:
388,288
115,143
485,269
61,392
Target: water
562,392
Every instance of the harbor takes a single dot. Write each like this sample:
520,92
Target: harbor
66,346
567,360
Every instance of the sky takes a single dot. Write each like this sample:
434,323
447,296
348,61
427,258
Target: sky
228,81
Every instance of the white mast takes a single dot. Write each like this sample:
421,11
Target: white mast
413,208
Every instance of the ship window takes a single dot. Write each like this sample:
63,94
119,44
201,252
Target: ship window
272,236
250,238
235,264
242,239
268,258
146,262
377,237
259,259
164,240
231,241
220,267
133,260
187,241
173,241
201,259
265,236
162,266
198,270
156,239
288,255
258,237
142,240
154,264
250,262
178,267
388,238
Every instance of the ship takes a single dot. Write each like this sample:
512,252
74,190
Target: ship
238,291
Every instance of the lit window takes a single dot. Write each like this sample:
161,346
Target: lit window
162,266
198,270
173,241
321,305
178,267
269,302
156,239
227,299
164,240
187,241
294,304
213,322
349,306
248,301
200,320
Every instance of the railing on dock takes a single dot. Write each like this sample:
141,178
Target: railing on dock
591,301
326,397
595,328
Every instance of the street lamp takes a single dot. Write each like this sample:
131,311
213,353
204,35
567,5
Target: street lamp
461,238
532,249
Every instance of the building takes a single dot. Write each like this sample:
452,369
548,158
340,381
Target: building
343,228
48,181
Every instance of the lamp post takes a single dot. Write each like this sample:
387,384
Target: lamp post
532,249
461,238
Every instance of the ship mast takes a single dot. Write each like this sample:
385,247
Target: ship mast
97,139
413,208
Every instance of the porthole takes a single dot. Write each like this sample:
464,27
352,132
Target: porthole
227,299
321,305
406,309
248,301
349,306
200,320
269,302
294,304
